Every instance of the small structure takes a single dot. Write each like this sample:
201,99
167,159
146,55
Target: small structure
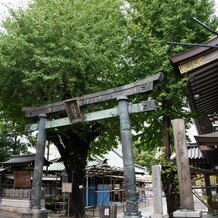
17,197
103,183
104,179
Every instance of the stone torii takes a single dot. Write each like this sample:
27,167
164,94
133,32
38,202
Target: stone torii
73,108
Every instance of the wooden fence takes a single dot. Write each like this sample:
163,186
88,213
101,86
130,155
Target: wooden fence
17,193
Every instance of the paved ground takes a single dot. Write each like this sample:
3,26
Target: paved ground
7,214
146,209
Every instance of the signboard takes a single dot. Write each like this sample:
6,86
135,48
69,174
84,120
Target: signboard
106,211
198,62
67,187
73,110
186,67
22,179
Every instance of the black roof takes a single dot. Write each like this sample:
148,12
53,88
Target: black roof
200,65
22,160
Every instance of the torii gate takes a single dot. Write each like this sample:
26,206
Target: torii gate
72,107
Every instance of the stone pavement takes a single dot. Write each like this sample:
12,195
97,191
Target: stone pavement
145,207
8,214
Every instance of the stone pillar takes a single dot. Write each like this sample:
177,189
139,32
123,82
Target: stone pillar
36,209
129,168
157,192
182,162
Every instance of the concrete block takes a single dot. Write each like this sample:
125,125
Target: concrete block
188,214
196,213
179,213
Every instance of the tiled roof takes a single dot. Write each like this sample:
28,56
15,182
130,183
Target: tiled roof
17,159
2,169
203,77
22,160
114,159
93,162
56,166
110,163
194,152
95,166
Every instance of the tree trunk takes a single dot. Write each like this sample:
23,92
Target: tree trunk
76,166
170,188
166,140
169,181
73,146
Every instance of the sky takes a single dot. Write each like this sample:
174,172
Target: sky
4,4
216,6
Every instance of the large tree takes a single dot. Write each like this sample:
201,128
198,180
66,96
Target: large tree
11,143
59,49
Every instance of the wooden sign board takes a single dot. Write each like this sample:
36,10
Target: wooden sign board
22,179
73,110
198,62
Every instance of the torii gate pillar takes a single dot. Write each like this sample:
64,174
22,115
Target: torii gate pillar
39,162
129,169
36,210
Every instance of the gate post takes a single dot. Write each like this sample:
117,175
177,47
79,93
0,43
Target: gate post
129,168
39,162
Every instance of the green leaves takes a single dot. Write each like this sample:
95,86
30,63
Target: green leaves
10,141
70,47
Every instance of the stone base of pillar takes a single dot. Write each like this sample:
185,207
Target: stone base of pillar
138,215
35,213
157,215
187,213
